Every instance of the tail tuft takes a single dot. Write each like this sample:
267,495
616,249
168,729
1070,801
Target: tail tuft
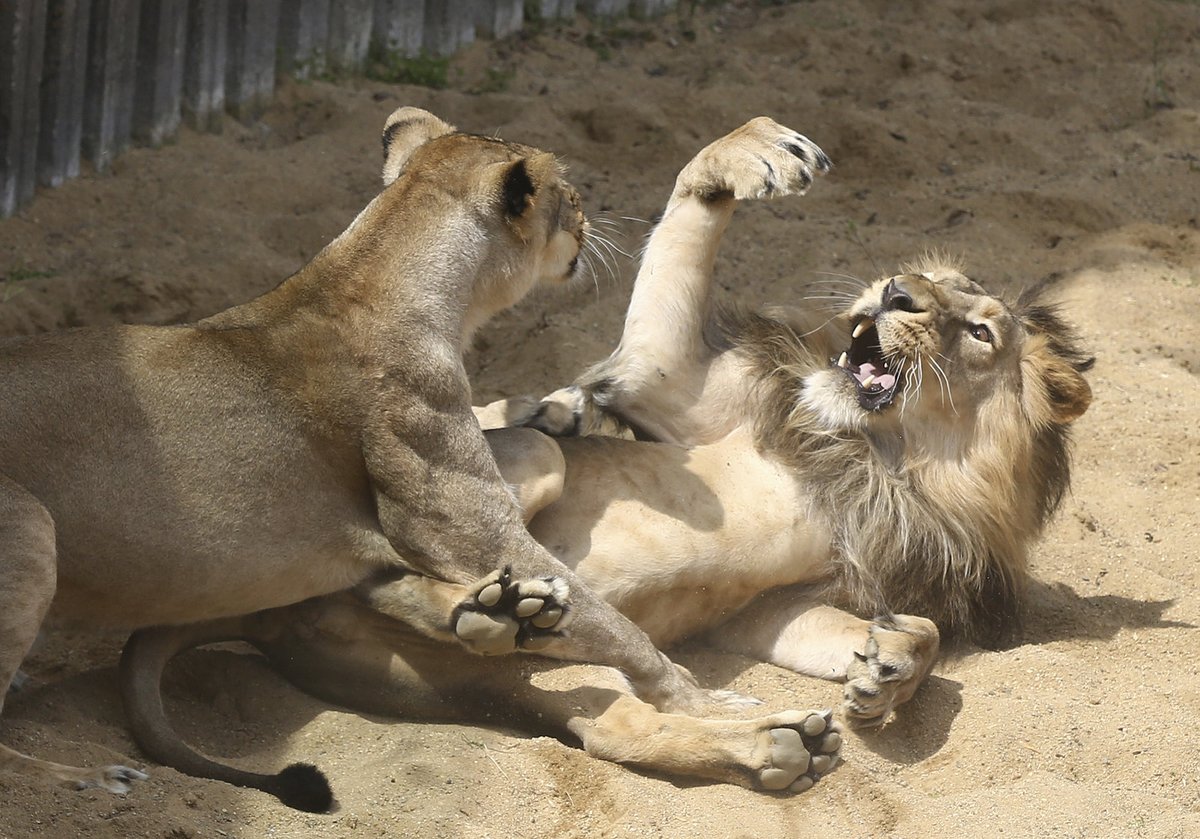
304,787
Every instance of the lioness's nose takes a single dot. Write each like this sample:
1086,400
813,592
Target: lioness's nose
897,297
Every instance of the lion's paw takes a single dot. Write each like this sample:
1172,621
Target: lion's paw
572,411
503,615
762,159
798,754
898,655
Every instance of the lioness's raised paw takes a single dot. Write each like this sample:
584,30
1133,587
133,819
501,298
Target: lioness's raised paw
504,615
762,159
899,653
797,754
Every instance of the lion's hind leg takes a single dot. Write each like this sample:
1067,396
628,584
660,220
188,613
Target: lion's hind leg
28,571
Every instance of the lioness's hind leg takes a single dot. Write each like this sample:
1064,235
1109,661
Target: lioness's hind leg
27,581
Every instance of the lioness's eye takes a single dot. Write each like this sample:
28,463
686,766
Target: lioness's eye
980,332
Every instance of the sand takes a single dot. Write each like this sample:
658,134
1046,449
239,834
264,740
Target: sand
1042,142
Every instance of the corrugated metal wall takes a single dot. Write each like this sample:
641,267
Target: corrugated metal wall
83,79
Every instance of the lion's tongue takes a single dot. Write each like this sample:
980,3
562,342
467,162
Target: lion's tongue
884,379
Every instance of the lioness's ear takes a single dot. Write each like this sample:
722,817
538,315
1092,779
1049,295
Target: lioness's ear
1055,392
405,130
517,189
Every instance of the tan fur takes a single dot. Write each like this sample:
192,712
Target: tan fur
754,498
305,441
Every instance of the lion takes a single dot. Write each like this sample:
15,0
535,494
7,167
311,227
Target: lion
301,443
826,493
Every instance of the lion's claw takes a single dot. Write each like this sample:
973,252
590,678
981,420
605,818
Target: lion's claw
762,159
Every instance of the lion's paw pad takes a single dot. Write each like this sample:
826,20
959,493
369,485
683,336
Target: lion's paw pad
505,615
801,753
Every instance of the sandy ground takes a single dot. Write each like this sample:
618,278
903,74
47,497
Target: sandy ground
1041,141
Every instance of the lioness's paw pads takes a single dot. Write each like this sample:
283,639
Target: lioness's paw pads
504,615
801,753
115,779
762,159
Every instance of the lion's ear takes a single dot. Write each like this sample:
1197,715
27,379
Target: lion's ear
405,130
1055,391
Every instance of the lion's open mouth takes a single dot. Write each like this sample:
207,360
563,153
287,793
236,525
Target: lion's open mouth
876,382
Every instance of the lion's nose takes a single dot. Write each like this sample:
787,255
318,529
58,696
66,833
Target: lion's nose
898,298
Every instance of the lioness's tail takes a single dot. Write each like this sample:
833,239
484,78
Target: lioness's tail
146,654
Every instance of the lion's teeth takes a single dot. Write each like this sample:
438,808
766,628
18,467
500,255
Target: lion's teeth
868,381
844,361
861,327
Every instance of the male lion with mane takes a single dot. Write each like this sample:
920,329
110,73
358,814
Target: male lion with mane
823,493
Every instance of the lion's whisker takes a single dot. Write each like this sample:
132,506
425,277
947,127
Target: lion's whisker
861,283
943,379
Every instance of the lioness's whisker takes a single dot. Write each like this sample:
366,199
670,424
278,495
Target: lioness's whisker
607,260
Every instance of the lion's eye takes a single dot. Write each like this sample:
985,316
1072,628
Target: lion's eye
980,332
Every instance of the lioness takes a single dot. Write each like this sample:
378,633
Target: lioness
786,474
303,442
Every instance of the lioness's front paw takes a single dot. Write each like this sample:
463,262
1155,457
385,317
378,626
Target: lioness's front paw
504,615
762,159
898,655
799,753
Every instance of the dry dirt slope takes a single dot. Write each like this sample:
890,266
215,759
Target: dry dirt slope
1044,142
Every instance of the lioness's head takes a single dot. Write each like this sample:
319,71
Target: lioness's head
509,202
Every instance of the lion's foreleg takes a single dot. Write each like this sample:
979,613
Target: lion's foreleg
882,661
663,382
785,628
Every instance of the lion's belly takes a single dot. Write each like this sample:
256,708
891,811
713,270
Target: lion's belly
680,539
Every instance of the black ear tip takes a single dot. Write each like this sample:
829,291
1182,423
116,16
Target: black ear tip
518,189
